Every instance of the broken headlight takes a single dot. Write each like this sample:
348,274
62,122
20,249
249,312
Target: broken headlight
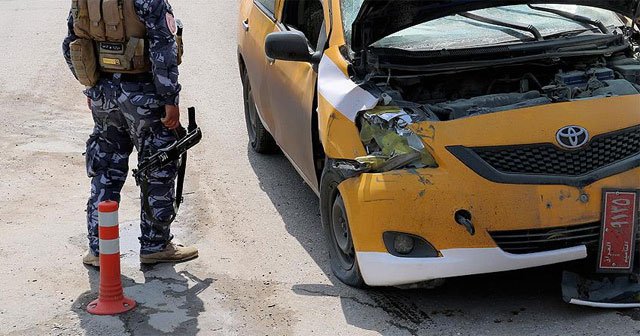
390,142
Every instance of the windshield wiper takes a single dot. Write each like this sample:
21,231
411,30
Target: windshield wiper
574,17
531,29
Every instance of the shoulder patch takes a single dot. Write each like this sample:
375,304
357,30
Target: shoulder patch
171,23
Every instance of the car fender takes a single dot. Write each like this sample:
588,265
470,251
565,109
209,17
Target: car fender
339,101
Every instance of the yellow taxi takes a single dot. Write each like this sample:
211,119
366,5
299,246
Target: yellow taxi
450,138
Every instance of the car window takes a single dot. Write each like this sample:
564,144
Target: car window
461,32
350,10
306,16
269,5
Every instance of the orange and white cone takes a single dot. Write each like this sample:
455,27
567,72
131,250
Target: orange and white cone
111,300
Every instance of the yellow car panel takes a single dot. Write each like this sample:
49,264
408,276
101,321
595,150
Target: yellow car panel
424,202
255,24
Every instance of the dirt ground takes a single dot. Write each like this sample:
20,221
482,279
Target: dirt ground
263,267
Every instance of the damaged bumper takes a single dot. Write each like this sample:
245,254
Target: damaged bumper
515,226
384,269
545,224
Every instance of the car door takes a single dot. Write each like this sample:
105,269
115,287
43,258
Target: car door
257,20
292,88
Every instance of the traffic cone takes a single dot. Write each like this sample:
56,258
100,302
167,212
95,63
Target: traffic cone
111,300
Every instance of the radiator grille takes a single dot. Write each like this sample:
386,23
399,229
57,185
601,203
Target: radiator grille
548,159
548,239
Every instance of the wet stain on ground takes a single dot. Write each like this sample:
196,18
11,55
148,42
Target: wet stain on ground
168,302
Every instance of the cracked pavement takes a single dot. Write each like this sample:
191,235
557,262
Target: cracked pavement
263,267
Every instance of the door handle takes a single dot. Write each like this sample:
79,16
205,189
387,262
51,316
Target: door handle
245,25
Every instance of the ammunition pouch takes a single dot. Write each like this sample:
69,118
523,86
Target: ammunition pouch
80,13
83,59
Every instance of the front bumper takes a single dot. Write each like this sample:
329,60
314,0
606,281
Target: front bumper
383,269
425,202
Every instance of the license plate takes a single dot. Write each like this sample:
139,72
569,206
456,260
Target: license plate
619,226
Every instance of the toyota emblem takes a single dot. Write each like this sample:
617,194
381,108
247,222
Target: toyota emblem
572,137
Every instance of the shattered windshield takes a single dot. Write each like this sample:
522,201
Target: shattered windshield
454,32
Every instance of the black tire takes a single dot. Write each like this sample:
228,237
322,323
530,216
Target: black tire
344,263
260,139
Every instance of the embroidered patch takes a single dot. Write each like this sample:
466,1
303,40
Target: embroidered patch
171,23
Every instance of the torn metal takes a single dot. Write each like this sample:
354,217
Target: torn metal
390,142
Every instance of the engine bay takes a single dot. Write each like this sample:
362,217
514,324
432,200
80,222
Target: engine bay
460,95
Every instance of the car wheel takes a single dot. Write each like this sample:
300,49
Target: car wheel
260,139
344,263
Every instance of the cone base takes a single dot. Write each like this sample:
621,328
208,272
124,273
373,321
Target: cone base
98,307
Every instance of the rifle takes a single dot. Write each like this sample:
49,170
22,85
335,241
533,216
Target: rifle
186,139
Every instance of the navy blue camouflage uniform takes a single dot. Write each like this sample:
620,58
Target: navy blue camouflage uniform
127,114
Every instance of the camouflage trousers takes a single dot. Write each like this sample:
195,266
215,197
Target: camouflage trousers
127,115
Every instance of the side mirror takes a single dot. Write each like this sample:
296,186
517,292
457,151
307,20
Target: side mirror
289,46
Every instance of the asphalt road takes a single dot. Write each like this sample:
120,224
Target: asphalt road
263,266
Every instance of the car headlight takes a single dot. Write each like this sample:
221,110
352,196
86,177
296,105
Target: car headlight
389,141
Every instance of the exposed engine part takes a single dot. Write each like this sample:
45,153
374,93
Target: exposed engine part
591,83
567,86
578,78
489,104
628,68
620,78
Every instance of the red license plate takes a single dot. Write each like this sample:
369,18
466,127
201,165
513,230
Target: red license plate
619,226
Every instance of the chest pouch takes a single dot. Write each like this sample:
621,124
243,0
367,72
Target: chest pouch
83,59
113,15
80,14
96,23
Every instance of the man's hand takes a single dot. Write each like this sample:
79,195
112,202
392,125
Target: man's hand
171,119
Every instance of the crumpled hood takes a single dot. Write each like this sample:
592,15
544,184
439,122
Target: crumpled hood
380,18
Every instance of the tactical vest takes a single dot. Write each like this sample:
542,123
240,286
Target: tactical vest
111,39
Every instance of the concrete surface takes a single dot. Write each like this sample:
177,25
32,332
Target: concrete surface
263,264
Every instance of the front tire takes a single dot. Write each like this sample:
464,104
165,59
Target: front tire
335,221
260,139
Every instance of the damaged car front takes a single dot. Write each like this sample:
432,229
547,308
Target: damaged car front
469,137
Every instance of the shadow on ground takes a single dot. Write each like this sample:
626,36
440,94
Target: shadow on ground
484,303
168,304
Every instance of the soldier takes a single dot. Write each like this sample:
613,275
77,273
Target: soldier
126,53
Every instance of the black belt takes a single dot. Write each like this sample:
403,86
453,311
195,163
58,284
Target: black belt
137,78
